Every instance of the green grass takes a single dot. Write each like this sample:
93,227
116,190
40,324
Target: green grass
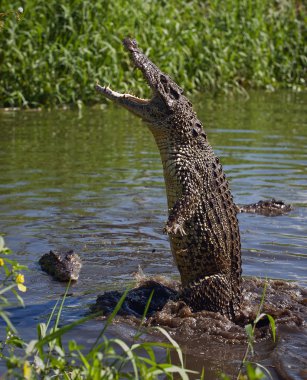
47,357
57,52
109,359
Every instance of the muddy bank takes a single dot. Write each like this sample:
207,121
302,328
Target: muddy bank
286,302
210,340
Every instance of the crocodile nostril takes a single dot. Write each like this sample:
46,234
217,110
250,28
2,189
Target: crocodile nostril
174,94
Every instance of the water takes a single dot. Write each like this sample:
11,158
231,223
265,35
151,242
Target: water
92,182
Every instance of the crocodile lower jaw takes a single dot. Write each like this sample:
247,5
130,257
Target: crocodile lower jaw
123,98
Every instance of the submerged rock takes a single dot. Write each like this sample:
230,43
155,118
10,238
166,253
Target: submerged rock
63,266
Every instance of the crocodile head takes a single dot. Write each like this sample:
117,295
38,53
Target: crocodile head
165,92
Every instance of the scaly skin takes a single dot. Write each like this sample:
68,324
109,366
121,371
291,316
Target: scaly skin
63,266
202,224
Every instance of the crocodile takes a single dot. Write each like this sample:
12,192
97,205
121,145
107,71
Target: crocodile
202,224
63,266
136,299
270,207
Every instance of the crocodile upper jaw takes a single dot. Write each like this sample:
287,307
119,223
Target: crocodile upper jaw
150,110
131,102
166,93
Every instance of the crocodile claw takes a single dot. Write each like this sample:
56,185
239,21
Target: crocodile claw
174,229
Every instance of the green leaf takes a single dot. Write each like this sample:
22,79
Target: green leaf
249,331
174,343
6,319
259,317
130,355
59,350
253,373
111,316
61,306
4,290
72,345
41,330
139,333
273,326
52,313
39,363
19,298
1,244
15,341
63,330
30,348
84,360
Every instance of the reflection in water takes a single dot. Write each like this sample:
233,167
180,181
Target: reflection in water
94,184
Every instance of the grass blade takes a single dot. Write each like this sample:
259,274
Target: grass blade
111,317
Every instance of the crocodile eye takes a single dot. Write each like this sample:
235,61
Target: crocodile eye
174,93
69,255
163,79
194,132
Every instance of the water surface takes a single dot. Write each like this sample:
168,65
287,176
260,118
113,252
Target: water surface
92,182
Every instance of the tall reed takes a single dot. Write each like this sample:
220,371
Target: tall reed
60,48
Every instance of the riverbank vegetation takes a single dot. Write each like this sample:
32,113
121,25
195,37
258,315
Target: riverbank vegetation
56,53
51,355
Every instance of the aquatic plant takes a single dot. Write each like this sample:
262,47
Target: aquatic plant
47,356
256,371
11,281
59,50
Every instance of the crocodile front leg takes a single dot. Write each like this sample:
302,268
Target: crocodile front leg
185,206
182,211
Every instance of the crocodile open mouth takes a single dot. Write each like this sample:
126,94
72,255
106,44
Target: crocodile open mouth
160,84
150,73
116,96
